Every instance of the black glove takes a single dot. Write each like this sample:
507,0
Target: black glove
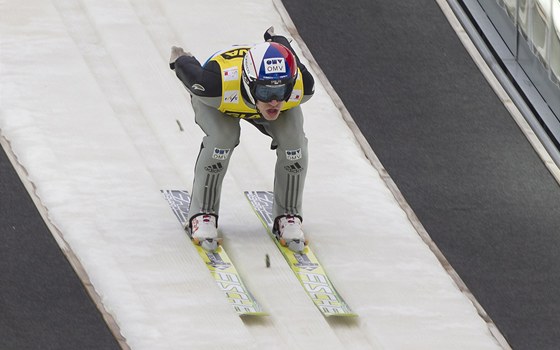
269,34
176,52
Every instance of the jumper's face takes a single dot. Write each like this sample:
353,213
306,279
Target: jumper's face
270,110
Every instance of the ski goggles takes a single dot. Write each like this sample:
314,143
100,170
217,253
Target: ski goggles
267,93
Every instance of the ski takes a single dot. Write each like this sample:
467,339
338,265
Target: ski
219,264
305,265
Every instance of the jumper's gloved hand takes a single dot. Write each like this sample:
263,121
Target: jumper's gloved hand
176,52
269,34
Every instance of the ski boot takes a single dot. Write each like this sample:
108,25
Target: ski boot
288,231
203,231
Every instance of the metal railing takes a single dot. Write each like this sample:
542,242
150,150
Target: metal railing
520,41
538,21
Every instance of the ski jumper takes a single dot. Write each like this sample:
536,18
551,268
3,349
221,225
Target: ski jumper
219,103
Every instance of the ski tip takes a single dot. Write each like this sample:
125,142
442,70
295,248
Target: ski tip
342,315
253,314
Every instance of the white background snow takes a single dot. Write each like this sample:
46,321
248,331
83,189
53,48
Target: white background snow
93,113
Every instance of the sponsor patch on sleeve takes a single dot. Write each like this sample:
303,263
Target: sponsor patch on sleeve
221,154
294,154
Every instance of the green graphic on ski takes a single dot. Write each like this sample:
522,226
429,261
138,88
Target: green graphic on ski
219,264
305,265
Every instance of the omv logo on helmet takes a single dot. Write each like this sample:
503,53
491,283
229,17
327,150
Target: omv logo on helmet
274,65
